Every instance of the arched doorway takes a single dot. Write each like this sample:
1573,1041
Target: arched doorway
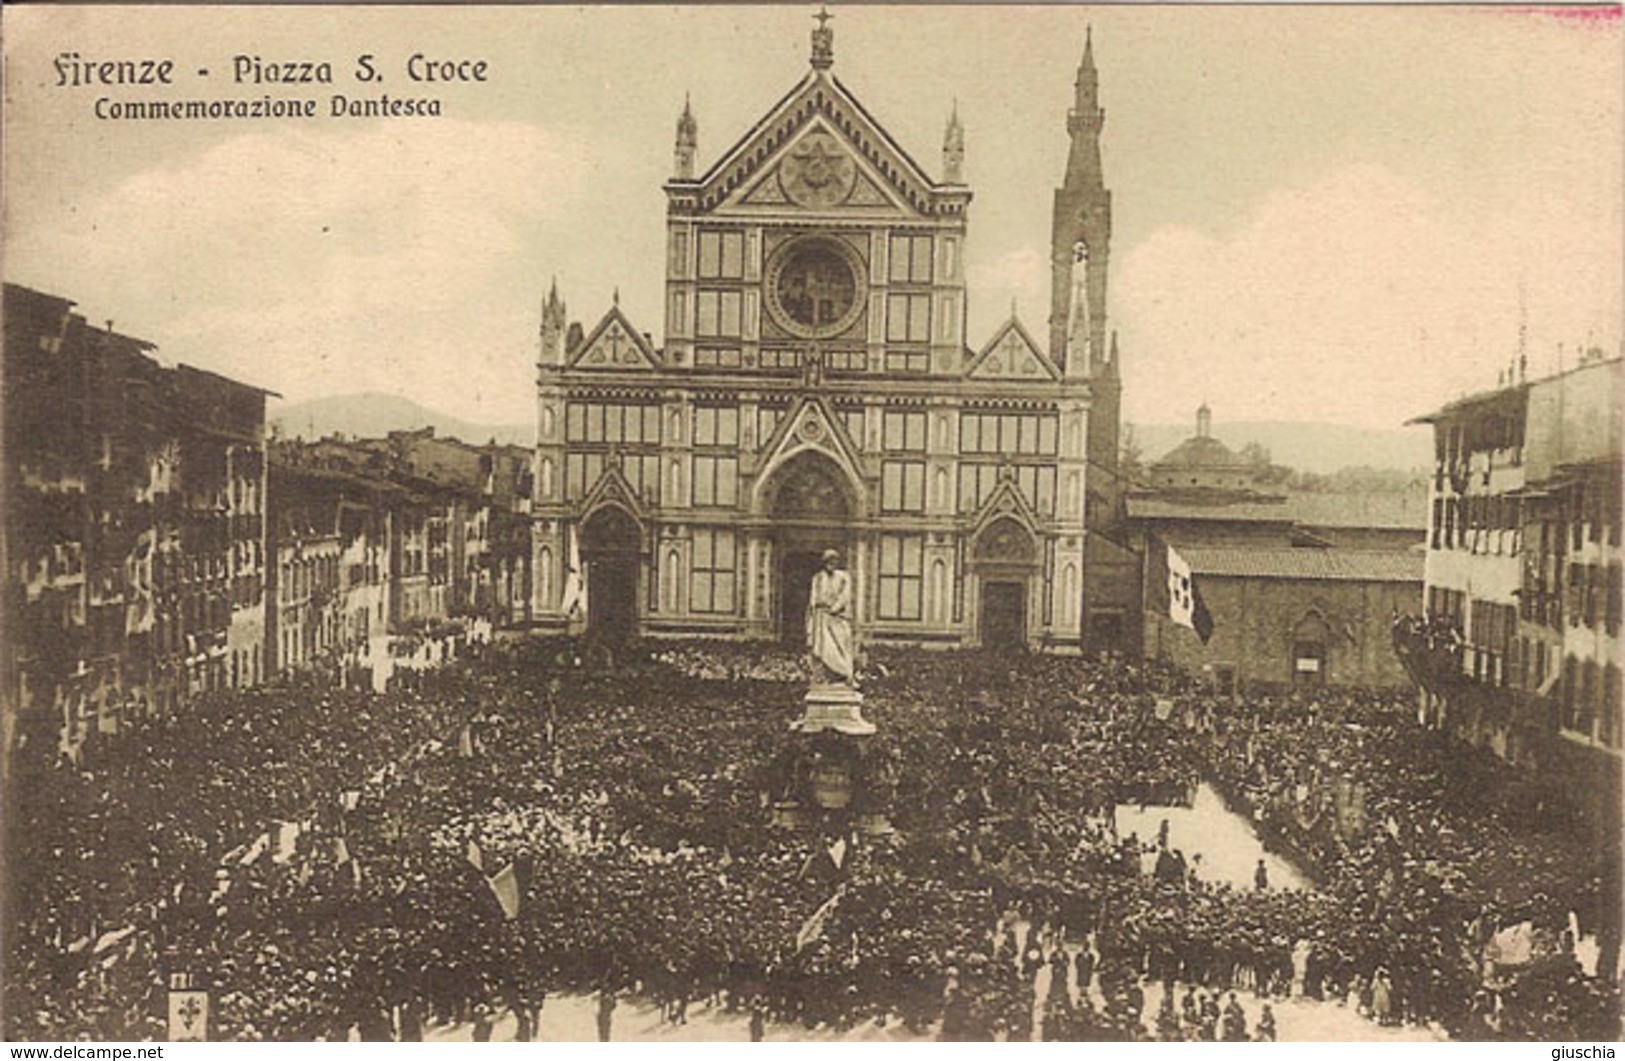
811,509
610,546
1003,559
1310,641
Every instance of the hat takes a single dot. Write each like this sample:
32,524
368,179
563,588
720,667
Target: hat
831,554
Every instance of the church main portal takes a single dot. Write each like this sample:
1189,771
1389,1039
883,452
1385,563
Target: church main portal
810,512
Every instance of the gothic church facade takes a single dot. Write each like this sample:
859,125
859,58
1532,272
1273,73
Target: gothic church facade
816,390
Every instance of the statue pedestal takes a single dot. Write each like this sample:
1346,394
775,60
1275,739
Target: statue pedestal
824,778
831,705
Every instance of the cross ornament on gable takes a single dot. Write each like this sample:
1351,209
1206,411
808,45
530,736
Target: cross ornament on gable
615,338
823,17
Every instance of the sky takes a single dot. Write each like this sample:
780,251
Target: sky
1329,214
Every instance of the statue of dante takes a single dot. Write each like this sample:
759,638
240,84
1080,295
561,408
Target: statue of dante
829,624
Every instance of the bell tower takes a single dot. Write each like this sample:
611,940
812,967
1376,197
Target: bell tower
1080,253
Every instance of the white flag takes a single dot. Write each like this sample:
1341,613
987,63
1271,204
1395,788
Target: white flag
575,578
1181,606
814,925
505,885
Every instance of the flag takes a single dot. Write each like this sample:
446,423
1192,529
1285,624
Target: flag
813,927
505,885
465,742
341,851
188,1016
837,852
475,857
1511,946
1173,591
287,839
575,579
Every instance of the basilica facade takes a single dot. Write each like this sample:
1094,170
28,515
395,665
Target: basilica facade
816,389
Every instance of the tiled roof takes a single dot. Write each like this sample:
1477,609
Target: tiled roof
1377,511
1330,565
1201,452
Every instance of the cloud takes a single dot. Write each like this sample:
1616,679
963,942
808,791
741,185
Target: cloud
283,257
1013,275
1360,296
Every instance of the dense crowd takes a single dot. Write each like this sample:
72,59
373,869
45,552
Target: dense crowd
337,863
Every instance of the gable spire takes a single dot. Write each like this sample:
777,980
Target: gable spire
823,41
953,149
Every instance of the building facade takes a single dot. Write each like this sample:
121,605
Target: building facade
815,390
1302,587
1518,649
135,561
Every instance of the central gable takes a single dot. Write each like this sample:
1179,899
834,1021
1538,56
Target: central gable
819,170
817,149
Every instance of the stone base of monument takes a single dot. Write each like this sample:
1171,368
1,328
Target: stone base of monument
832,706
824,779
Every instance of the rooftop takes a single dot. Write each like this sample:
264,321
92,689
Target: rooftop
1333,565
1372,511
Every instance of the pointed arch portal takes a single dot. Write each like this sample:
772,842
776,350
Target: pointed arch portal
810,503
611,543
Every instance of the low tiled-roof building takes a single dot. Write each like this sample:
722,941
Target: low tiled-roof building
1302,587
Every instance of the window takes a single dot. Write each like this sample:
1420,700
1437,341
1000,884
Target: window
853,419
908,318
711,575
916,362
716,425
902,560
780,360
1037,483
910,260
903,432
767,419
1024,434
976,482
722,255
710,357
679,254
902,486
716,314
716,481
1612,617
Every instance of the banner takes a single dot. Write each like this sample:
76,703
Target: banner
505,885
814,925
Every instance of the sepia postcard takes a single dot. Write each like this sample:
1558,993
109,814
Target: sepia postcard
846,523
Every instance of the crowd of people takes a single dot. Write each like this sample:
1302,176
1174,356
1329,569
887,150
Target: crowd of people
342,864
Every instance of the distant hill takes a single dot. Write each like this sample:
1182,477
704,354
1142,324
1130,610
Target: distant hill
1318,448
376,415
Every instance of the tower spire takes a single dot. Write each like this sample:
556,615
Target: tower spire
688,140
823,41
953,149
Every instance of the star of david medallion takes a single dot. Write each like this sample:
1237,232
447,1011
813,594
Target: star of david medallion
817,173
